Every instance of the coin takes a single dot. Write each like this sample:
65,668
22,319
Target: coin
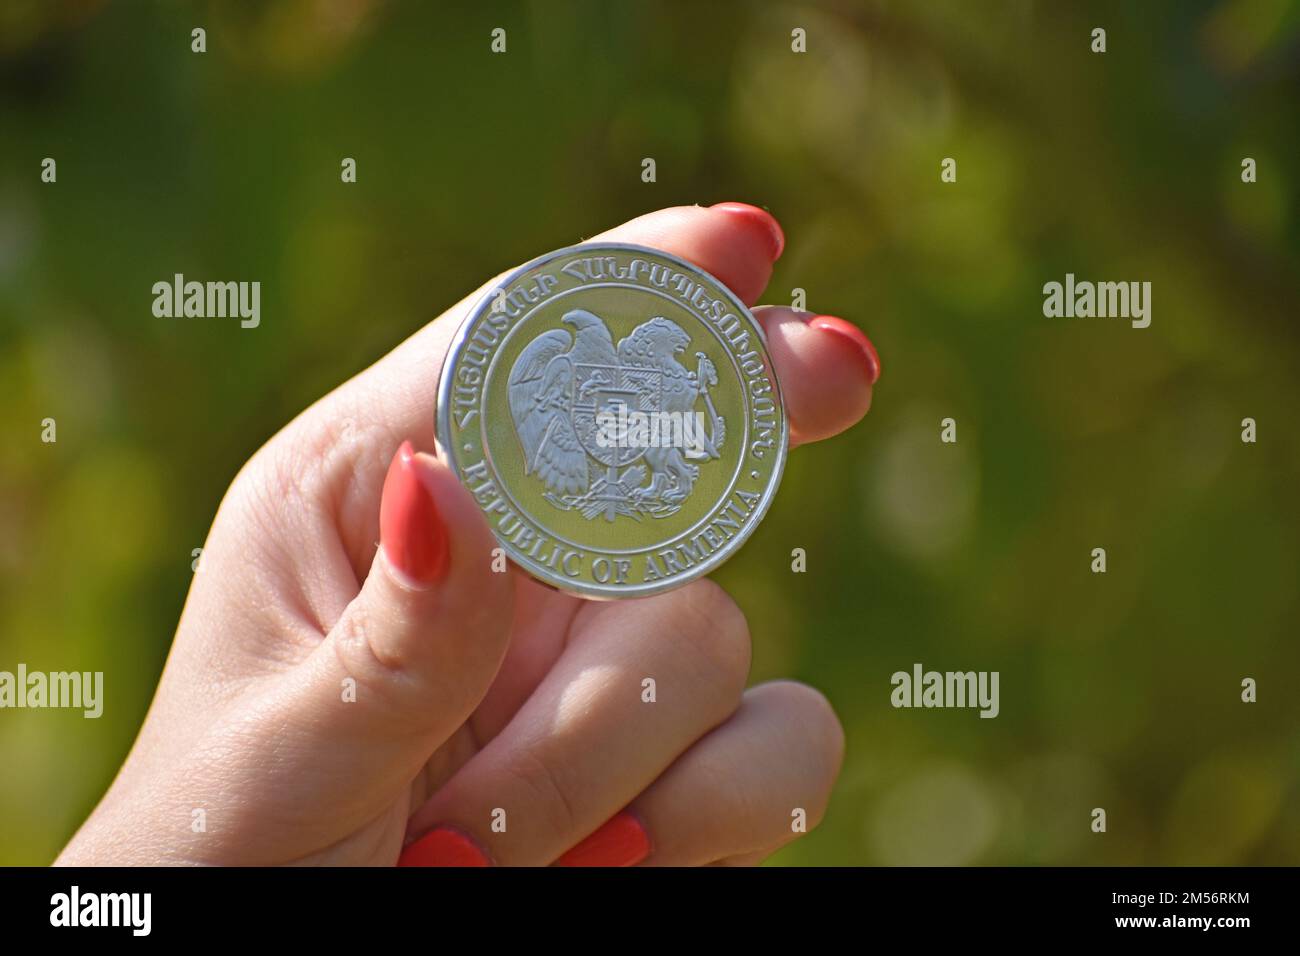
614,411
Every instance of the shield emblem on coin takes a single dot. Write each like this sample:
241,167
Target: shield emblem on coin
613,394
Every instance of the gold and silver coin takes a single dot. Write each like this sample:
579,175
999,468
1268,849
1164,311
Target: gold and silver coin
614,411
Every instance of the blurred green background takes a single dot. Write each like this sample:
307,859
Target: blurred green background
1119,690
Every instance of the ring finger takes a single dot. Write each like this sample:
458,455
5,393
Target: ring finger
743,791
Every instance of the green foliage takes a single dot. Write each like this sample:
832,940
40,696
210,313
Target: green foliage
1118,690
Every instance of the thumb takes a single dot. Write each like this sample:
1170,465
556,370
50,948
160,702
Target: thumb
416,650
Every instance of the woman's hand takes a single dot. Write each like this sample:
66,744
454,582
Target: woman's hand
328,701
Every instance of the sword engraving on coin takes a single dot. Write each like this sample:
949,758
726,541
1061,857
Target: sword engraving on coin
614,412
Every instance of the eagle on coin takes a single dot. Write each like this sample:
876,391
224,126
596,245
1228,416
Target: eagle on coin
541,389
560,380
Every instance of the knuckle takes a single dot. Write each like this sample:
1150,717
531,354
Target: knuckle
353,639
718,634
546,792
817,736
385,682
310,464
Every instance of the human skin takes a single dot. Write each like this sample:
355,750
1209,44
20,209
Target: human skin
343,558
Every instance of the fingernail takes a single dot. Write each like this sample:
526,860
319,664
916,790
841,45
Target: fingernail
761,219
849,331
621,841
410,529
443,847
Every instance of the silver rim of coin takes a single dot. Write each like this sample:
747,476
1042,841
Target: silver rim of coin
613,573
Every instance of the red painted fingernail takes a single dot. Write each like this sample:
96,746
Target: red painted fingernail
410,529
760,218
622,841
849,331
443,847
